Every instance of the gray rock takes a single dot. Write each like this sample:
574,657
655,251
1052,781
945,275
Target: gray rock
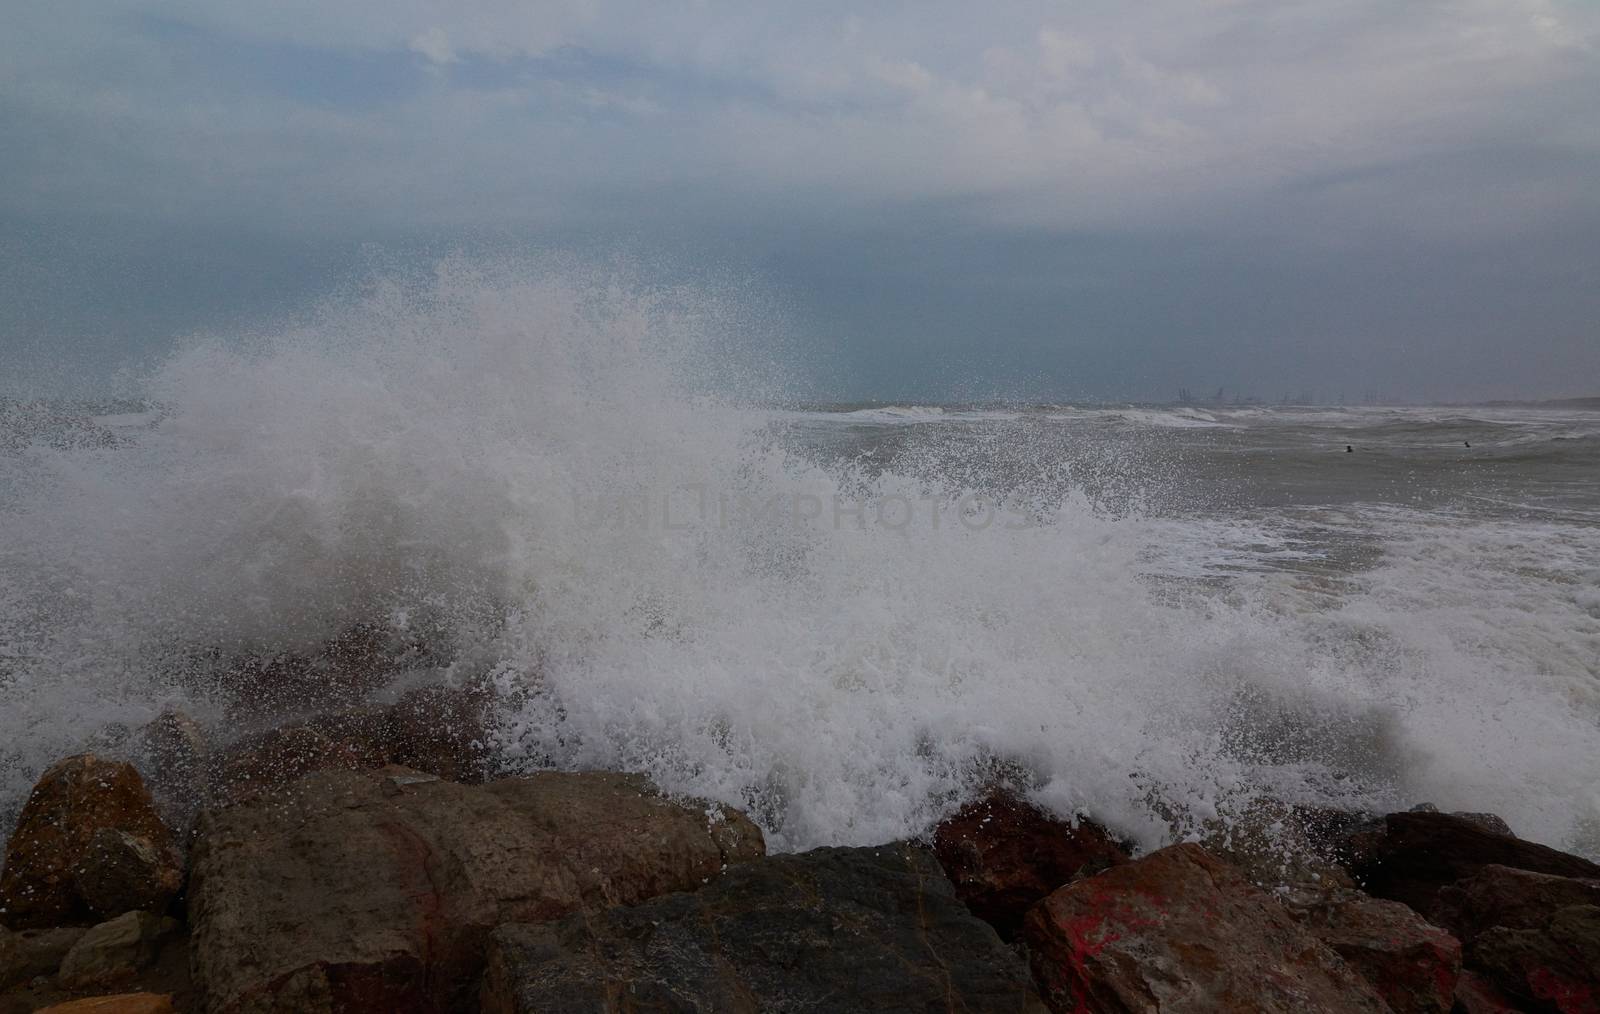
31,953
376,891
114,951
866,929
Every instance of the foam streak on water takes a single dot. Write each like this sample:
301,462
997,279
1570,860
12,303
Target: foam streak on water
526,473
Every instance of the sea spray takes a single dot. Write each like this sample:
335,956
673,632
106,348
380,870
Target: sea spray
558,478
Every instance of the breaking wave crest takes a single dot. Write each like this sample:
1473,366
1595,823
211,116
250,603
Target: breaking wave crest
543,475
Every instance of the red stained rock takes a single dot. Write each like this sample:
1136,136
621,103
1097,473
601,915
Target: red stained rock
1550,967
1005,855
1477,995
1180,931
1515,899
1412,964
92,819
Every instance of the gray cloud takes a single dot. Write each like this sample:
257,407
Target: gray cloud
1093,180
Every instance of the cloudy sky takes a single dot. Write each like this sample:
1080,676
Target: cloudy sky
1080,198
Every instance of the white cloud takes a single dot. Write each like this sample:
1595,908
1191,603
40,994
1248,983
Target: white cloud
435,45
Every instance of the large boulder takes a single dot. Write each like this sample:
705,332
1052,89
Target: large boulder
1181,931
1552,967
1412,963
1531,937
1516,899
376,891
89,842
836,929
1415,854
1004,855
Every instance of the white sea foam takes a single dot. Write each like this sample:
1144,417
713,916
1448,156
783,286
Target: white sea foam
463,456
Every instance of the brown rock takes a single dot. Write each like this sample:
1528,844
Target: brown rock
1004,855
439,730
72,802
114,951
121,872
1181,931
1516,899
376,891
1553,967
122,1003
348,741
343,671
1411,963
30,954
1418,853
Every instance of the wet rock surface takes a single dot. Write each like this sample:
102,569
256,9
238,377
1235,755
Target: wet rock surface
89,842
1004,855
377,891
1182,931
443,731
863,929
1413,964
1415,854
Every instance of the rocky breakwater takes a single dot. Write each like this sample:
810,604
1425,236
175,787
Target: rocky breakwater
365,860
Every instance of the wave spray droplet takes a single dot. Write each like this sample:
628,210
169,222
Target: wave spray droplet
529,471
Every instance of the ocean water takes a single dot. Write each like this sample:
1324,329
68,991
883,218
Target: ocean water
844,619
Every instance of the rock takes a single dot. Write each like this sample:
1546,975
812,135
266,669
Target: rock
858,929
1477,995
176,756
1278,847
344,670
392,880
265,763
1490,822
1181,931
30,954
1524,931
1516,899
1554,966
1004,855
72,803
1418,853
121,872
1410,962
114,951
122,1003
441,730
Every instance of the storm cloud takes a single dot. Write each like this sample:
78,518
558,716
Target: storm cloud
1087,199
